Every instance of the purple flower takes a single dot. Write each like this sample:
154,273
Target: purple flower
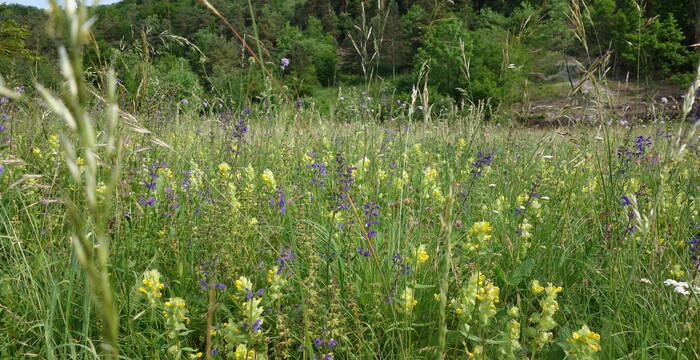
2,170
364,252
147,202
371,210
280,201
185,102
284,62
693,243
286,256
625,200
151,185
402,267
482,161
319,170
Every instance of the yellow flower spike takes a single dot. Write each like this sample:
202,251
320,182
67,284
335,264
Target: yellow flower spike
536,288
152,286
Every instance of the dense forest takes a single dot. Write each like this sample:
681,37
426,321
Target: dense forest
474,49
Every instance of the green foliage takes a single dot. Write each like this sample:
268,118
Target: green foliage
472,63
657,47
311,47
650,45
12,41
174,77
441,49
506,41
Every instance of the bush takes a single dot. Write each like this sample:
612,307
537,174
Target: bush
449,47
657,48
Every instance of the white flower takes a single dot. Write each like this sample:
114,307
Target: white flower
681,290
670,282
547,156
492,185
645,280
545,198
680,287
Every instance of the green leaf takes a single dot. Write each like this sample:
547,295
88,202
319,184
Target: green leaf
423,286
521,273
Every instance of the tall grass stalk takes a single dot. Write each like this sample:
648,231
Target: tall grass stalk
89,210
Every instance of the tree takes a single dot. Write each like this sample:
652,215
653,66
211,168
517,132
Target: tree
12,44
395,41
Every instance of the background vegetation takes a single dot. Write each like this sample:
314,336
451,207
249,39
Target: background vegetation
487,50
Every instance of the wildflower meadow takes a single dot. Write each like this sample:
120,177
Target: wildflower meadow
383,229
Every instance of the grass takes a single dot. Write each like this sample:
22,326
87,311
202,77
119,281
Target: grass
384,232
213,225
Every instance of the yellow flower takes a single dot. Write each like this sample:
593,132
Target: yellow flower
476,353
408,302
479,234
224,169
430,174
151,286
242,353
584,343
269,179
677,271
421,256
242,283
536,287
